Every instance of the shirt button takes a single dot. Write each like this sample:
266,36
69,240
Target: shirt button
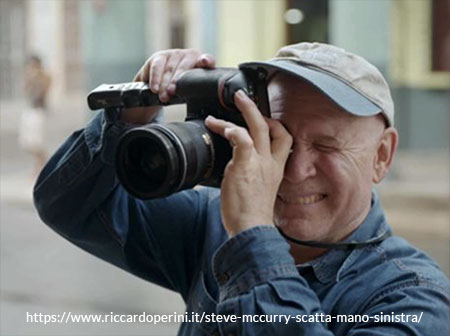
223,278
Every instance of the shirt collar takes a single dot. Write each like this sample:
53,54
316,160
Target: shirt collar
329,266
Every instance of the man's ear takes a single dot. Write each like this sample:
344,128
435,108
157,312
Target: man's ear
385,154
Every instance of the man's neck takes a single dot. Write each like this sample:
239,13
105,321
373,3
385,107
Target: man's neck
303,254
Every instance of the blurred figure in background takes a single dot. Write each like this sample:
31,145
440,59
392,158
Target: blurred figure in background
32,123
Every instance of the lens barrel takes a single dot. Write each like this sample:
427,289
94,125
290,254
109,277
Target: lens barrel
160,159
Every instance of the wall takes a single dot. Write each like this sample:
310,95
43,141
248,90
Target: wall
113,40
393,36
249,30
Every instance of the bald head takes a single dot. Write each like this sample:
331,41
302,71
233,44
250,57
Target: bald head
335,159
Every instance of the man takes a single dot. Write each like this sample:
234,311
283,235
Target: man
296,239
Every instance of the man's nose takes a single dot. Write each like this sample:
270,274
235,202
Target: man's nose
300,165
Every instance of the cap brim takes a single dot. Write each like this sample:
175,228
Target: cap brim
337,90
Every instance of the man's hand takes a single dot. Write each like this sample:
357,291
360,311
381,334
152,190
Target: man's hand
254,173
161,71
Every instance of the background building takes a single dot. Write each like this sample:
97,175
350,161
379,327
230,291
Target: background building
85,43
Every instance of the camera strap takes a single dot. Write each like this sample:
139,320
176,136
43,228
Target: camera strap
338,246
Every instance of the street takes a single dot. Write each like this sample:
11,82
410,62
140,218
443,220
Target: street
42,273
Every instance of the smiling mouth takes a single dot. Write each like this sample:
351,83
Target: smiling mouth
305,200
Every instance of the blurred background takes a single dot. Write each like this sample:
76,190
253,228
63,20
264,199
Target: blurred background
85,43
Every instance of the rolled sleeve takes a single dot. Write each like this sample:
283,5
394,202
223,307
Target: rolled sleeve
103,134
252,257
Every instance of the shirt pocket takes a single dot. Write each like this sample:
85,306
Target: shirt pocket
204,305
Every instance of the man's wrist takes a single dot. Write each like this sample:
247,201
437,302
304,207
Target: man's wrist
233,229
112,129
240,221
139,115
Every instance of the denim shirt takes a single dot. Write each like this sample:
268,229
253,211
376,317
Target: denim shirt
179,242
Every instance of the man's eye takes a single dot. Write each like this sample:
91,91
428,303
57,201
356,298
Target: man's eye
324,148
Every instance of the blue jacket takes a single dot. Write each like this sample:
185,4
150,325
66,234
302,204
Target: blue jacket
178,242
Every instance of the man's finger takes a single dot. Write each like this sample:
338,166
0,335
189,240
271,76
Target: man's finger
156,71
259,130
143,74
139,75
281,140
206,61
190,61
169,70
241,142
238,137
218,125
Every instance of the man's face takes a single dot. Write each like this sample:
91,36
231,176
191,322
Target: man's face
326,190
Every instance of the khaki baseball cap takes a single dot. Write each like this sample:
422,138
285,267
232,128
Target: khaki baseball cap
348,79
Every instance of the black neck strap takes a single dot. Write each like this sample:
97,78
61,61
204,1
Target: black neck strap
338,246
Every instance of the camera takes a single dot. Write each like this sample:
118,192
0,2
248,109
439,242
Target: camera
157,159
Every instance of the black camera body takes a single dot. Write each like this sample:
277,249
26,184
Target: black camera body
157,160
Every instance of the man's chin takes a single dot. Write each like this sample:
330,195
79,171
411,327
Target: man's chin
281,223
294,221
298,228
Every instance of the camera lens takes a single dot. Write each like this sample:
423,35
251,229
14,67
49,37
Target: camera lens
159,159
152,167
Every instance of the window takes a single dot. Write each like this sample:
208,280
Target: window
441,35
307,21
